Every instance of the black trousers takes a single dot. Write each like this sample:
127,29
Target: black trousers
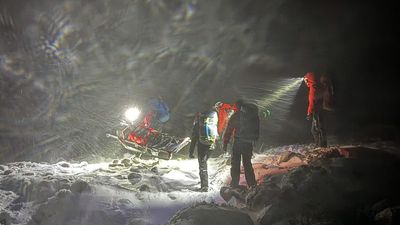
318,129
242,151
203,152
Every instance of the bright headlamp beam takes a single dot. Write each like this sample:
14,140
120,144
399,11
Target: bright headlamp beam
292,84
132,114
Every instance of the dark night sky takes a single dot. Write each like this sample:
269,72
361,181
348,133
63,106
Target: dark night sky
64,65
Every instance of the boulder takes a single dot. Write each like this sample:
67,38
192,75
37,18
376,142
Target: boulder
211,215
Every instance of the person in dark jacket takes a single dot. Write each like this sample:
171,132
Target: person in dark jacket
315,109
242,150
203,149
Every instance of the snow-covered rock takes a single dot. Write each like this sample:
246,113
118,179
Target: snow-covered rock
211,215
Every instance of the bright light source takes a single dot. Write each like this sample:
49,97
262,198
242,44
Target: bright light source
287,90
132,114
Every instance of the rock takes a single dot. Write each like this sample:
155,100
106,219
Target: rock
293,161
154,170
138,221
286,156
80,186
273,214
5,218
145,188
7,172
125,203
379,206
64,164
384,217
262,196
126,162
115,165
63,193
239,194
134,178
211,215
29,174
172,196
43,190
107,170
388,216
65,186
121,177
115,161
323,153
16,207
3,168
134,169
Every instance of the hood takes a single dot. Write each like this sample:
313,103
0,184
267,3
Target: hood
309,79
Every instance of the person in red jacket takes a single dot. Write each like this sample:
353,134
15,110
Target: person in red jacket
314,110
225,111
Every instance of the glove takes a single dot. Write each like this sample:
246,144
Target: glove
191,156
308,117
266,113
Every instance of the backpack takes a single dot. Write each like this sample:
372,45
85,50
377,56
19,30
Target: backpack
249,122
328,102
208,131
163,114
161,109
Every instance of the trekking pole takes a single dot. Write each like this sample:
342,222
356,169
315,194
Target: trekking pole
260,149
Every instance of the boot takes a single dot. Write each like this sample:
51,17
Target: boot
203,189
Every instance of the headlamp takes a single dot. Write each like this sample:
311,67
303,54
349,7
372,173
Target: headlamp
132,114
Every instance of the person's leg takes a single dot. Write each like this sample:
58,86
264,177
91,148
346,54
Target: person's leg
315,129
322,125
247,153
235,164
203,154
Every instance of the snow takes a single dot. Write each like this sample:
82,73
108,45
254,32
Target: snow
129,191
126,191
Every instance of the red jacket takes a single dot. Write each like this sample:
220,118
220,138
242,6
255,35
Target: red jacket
314,95
223,116
233,127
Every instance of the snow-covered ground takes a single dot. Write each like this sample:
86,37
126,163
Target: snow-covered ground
120,192
125,191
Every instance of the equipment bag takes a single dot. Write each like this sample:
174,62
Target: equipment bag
208,131
249,126
328,99
328,103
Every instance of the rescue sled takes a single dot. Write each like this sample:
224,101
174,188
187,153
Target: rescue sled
142,139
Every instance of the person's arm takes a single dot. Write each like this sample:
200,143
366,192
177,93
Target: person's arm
311,100
194,139
166,106
230,129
